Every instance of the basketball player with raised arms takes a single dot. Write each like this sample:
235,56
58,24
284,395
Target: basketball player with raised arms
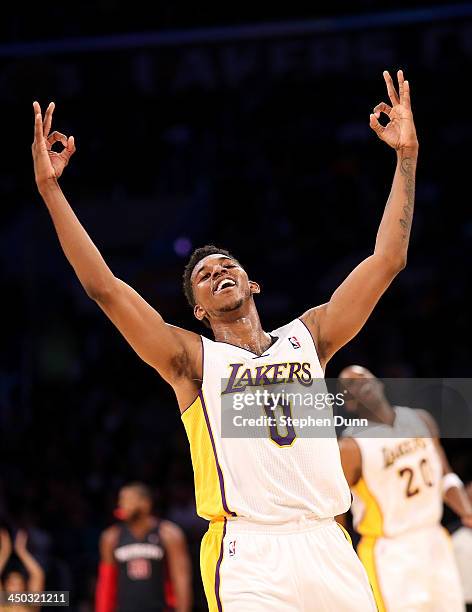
399,476
273,543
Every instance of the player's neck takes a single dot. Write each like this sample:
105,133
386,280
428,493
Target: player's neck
140,525
244,330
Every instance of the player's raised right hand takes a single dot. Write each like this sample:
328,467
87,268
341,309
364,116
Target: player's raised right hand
49,164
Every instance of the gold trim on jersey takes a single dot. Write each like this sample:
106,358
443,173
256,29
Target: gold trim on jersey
208,478
366,552
211,556
345,533
371,523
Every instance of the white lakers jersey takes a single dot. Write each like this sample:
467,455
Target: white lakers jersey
262,479
400,487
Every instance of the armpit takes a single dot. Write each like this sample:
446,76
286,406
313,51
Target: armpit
181,365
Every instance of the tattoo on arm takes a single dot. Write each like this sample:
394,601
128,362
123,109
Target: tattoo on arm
407,168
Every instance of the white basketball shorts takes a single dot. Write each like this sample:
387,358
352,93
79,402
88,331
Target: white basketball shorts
415,571
298,566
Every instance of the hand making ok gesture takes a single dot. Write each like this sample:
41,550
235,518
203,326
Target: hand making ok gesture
49,164
400,132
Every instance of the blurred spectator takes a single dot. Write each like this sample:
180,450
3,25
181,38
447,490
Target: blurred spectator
29,577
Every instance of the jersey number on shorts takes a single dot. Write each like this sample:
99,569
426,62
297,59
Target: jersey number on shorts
410,474
272,410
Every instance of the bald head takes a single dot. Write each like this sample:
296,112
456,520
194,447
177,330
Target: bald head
364,393
355,371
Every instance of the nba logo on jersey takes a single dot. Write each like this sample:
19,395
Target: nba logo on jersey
232,548
294,342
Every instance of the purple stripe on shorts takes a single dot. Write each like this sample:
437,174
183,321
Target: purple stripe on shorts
218,469
217,572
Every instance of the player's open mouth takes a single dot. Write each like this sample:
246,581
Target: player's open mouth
224,283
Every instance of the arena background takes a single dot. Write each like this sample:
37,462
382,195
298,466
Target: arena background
246,127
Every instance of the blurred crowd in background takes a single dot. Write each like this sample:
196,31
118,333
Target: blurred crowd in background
259,145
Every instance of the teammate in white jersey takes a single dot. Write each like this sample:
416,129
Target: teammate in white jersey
399,476
273,543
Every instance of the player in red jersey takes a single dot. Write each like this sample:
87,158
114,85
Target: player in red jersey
144,562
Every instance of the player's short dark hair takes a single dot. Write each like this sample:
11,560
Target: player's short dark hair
141,489
195,257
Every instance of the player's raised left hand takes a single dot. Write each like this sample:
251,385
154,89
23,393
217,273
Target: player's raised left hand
400,132
49,164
